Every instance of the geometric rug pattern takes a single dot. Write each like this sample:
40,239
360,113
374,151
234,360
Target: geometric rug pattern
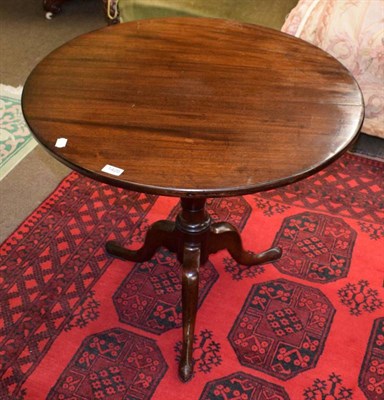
16,140
316,247
76,323
371,379
112,364
282,328
249,386
46,280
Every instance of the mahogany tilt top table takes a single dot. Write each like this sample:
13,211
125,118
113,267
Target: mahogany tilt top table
193,108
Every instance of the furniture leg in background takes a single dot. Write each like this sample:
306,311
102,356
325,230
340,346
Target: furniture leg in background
52,7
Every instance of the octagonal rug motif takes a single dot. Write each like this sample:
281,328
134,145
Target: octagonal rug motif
371,379
316,247
114,364
243,387
282,327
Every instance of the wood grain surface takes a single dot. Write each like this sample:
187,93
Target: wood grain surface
193,106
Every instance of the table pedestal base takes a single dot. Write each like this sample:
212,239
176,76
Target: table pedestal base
193,238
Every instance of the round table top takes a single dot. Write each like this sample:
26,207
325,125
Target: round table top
193,106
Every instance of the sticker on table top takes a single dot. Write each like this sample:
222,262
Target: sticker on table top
61,142
110,169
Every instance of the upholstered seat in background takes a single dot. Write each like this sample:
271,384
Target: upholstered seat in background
353,32
271,13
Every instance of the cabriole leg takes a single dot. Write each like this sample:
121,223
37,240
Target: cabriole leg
161,233
190,293
225,236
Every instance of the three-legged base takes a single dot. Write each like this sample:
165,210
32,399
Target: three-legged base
193,238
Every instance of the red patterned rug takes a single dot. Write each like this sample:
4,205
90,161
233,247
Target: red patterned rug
79,324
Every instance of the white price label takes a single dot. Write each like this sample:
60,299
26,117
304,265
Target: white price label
110,169
61,142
